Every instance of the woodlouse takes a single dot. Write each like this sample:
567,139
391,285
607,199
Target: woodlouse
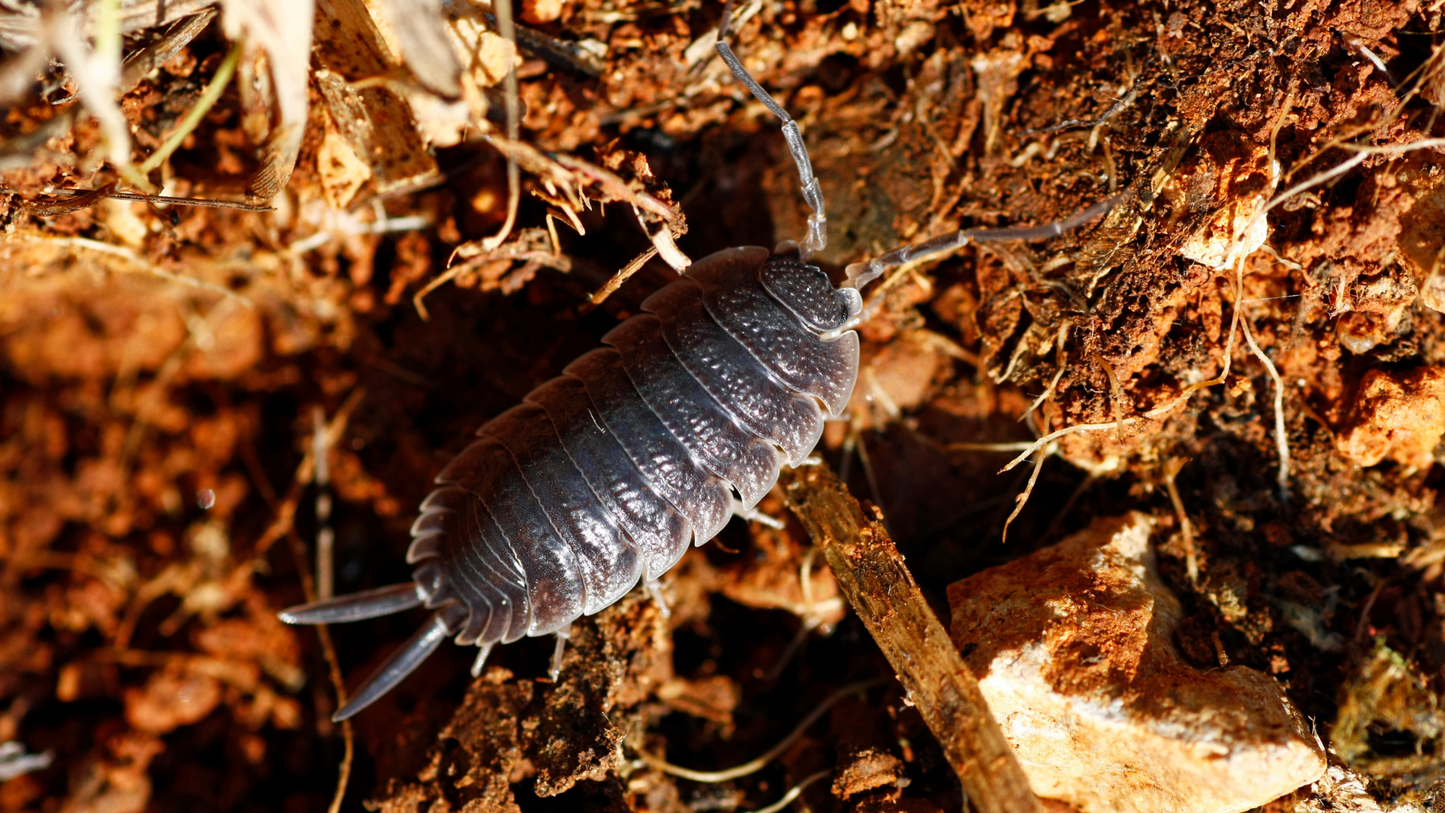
604,475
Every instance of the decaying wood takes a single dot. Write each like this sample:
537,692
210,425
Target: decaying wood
871,573
159,51
374,119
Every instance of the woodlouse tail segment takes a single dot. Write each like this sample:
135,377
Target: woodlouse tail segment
443,624
357,606
817,238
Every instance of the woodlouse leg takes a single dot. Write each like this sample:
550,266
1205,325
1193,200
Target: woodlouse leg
654,589
556,669
812,193
357,606
754,515
481,661
443,623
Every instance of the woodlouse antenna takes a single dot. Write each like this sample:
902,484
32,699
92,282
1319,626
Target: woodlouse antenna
817,238
860,274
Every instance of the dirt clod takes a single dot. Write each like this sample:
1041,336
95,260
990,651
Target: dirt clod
1397,415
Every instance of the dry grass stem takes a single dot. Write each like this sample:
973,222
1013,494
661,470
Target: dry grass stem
1186,528
755,765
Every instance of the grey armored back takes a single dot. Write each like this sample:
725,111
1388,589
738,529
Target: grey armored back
606,474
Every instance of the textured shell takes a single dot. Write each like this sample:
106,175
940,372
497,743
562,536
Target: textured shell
606,474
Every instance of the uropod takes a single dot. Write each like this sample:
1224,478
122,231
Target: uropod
604,476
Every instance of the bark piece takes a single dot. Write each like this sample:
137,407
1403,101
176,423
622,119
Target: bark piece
1075,649
875,580
374,119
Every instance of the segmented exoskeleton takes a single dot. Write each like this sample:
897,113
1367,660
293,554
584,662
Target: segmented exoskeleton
606,474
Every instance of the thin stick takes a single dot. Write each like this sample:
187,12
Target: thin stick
1023,497
1281,440
1186,528
282,526
1009,446
871,573
793,793
755,765
325,536
138,264
286,513
505,27
622,276
333,665
168,200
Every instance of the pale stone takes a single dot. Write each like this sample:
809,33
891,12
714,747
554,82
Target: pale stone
1236,175
1074,651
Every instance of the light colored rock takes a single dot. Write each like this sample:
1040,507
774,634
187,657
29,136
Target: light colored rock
1234,177
1074,651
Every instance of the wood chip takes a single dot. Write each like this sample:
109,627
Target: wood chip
871,573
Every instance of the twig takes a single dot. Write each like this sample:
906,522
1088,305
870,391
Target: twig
793,793
286,514
755,765
871,573
343,773
83,198
282,526
508,32
325,535
1023,497
1186,528
1281,440
137,264
621,276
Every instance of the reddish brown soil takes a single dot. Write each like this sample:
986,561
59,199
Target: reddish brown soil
160,372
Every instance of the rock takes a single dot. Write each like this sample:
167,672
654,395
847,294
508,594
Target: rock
1231,178
1074,651
1400,415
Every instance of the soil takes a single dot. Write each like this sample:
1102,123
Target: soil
166,370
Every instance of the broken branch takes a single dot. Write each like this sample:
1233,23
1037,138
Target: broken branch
871,573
